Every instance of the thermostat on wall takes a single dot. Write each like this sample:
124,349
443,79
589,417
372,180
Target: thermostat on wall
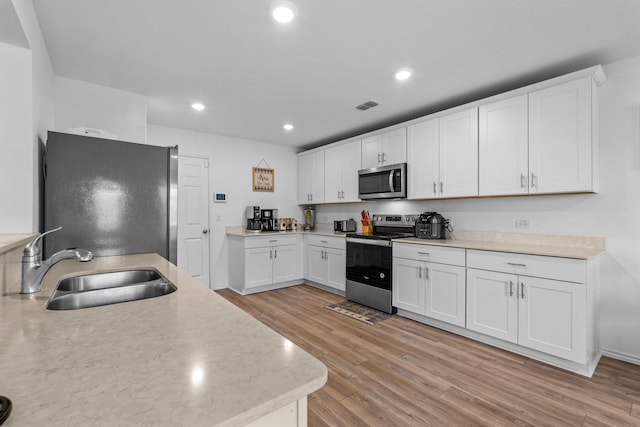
220,197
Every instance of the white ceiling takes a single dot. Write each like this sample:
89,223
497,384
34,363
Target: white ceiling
255,74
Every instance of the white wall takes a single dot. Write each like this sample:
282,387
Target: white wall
79,104
17,212
614,213
230,167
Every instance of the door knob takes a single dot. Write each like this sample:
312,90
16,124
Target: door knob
205,231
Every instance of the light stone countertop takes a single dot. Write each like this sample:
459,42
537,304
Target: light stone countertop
188,358
11,241
320,229
578,247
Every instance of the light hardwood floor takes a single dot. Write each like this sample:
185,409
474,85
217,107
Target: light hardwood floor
402,373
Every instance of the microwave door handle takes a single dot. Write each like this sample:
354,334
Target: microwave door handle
391,188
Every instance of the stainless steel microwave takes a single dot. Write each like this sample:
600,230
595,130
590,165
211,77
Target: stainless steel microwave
383,182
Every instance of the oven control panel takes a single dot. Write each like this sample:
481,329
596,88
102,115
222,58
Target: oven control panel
395,219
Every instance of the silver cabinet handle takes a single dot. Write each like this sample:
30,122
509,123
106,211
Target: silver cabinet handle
275,253
343,194
510,288
383,159
423,253
523,181
435,190
311,195
270,253
522,290
426,273
419,272
534,180
441,188
324,241
379,158
515,264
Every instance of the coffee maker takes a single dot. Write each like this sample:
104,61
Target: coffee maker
269,218
253,219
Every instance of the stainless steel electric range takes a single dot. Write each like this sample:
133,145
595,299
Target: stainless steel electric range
369,260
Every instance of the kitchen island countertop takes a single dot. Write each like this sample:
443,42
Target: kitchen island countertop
187,358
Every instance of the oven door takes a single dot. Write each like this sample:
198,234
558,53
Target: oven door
369,262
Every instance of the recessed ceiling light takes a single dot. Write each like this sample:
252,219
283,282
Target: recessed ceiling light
197,106
288,126
283,12
403,74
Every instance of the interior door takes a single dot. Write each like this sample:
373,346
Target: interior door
193,217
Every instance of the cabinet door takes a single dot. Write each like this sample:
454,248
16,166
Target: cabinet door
317,178
333,177
258,267
394,147
408,285
459,154
316,268
422,160
285,263
492,304
553,317
560,145
445,293
305,166
351,161
504,147
336,264
371,151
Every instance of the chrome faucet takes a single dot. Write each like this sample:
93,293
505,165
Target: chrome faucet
34,268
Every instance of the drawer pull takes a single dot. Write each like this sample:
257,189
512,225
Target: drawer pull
522,290
510,288
324,241
515,264
423,253
273,241
419,272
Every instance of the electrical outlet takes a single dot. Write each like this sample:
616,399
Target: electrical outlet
218,218
523,223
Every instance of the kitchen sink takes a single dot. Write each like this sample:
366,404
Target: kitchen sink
107,280
108,288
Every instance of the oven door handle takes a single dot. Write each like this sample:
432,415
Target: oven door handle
371,242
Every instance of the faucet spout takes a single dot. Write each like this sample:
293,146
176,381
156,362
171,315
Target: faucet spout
34,268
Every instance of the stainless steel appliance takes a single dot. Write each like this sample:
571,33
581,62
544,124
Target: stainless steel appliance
431,225
347,225
384,182
369,260
269,218
110,197
253,219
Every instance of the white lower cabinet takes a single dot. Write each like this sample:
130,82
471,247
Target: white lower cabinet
539,313
326,261
429,288
264,262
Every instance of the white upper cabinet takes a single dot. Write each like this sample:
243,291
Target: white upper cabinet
504,147
341,165
561,138
423,165
443,157
459,154
384,149
311,177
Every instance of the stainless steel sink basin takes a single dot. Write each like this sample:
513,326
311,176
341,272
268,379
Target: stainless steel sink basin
106,280
108,288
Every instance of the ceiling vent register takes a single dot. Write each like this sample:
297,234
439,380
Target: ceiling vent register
367,105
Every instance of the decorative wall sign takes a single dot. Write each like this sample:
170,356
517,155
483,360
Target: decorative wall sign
263,179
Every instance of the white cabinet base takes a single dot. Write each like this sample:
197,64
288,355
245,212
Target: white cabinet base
585,369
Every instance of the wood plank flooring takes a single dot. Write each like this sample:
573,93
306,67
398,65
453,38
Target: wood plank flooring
402,373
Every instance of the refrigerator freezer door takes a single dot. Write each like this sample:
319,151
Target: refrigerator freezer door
110,197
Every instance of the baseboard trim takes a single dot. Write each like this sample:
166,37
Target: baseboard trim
621,356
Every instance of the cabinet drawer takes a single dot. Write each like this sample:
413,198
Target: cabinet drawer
273,240
565,269
326,241
453,256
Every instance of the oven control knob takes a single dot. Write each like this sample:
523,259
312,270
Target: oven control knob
382,275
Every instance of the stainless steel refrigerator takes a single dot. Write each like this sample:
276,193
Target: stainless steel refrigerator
110,197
